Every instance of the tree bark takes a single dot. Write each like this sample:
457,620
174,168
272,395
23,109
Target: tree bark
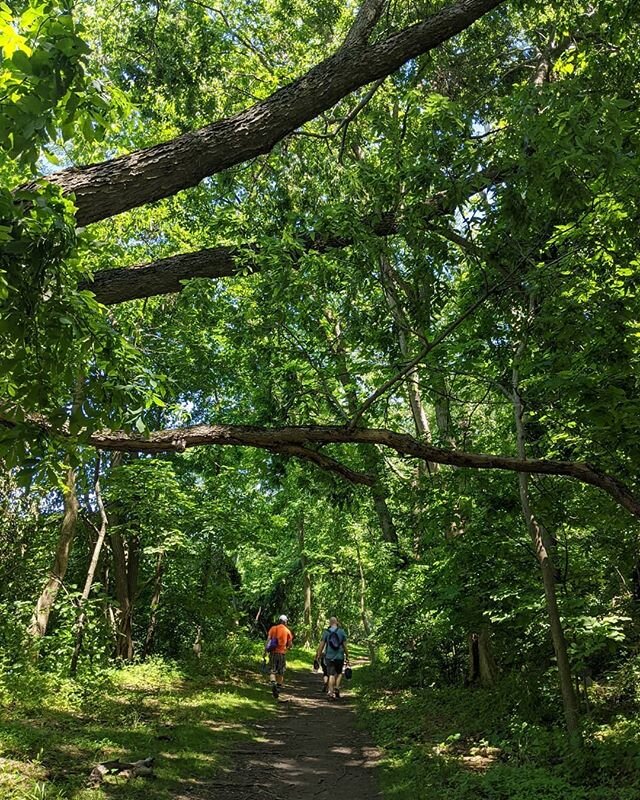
538,539
488,666
125,579
297,440
483,669
304,436
44,604
93,565
108,188
168,275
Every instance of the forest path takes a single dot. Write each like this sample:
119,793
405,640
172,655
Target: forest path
312,750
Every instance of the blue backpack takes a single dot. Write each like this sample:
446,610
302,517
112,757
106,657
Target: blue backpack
334,640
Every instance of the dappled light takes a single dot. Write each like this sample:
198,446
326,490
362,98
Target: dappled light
319,400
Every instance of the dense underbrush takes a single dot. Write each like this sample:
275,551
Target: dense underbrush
504,743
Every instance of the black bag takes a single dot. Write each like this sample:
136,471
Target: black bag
348,672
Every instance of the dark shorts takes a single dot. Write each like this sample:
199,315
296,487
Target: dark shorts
334,667
277,663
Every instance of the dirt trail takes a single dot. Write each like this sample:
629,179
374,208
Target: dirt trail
312,750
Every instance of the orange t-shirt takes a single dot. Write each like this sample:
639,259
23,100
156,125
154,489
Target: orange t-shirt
283,635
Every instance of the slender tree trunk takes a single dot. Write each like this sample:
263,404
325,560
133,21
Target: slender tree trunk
44,604
364,617
125,563
372,458
418,412
124,642
539,541
93,566
306,584
155,604
205,578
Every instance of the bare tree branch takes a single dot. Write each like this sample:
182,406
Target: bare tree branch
292,440
404,444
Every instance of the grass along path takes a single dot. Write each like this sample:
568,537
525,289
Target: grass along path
452,743
53,731
209,738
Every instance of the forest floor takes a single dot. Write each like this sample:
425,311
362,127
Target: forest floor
227,737
209,738
456,743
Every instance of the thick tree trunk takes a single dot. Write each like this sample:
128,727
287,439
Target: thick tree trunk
538,539
93,566
155,605
102,190
306,585
44,604
482,666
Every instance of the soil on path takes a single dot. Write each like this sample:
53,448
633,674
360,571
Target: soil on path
312,750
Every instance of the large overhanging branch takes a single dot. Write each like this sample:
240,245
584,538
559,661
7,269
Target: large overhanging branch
108,188
177,439
167,275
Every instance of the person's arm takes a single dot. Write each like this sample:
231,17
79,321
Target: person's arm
289,644
320,649
267,641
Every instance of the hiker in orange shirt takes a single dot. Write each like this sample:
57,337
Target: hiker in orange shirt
279,640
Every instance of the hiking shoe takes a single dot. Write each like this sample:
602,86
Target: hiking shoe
274,690
324,688
337,695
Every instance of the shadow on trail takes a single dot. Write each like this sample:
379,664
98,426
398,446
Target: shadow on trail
313,750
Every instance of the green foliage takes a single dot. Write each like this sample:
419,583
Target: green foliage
119,714
509,159
495,744
45,91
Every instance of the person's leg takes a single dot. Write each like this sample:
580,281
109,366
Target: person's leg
282,665
325,676
272,674
339,666
331,669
